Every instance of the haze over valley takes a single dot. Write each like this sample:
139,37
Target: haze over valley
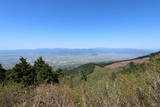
69,58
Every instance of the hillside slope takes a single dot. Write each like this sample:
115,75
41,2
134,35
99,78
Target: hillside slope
89,68
139,60
137,85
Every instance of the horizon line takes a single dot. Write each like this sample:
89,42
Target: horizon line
76,48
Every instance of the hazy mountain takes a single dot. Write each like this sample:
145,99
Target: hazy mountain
70,57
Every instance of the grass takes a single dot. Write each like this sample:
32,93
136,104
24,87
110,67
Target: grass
9,94
133,86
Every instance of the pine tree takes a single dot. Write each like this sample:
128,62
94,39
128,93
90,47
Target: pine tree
83,76
22,73
44,72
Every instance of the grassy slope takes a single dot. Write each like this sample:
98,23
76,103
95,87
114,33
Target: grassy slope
136,85
87,68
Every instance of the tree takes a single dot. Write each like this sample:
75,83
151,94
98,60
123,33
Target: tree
27,74
22,73
2,73
83,76
44,72
60,72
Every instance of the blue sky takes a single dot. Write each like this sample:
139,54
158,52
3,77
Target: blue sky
29,24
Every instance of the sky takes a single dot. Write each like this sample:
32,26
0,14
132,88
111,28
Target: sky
30,24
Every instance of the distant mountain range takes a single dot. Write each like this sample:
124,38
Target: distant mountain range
69,58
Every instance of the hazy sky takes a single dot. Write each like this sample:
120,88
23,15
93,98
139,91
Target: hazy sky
26,24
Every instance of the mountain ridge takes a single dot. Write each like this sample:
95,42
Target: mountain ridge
114,64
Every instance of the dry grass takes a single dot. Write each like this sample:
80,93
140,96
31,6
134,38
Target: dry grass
125,63
49,96
130,89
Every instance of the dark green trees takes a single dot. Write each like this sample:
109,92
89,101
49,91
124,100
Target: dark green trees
2,73
27,74
83,76
44,72
22,73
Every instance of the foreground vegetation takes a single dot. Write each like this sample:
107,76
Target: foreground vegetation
136,85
